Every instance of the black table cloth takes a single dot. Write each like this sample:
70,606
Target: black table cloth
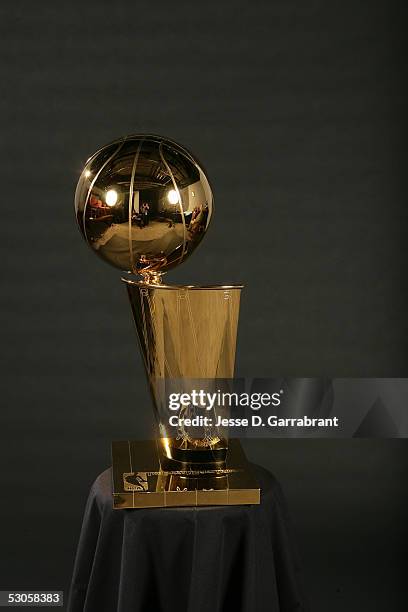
208,559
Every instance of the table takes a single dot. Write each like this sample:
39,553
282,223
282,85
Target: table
208,559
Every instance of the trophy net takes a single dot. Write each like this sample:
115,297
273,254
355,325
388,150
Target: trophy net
187,337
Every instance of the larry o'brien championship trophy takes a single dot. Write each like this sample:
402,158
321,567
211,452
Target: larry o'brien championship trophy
143,204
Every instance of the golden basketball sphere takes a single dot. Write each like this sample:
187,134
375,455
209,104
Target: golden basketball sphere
143,204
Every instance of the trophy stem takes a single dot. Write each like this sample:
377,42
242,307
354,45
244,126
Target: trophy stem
151,277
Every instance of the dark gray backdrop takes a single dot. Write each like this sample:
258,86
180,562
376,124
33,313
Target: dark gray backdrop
297,109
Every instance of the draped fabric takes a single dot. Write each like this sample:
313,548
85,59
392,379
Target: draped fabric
208,559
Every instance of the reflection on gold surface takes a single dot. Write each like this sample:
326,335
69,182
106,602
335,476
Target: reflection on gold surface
186,333
143,204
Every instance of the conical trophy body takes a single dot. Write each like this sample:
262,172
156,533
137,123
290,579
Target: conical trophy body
187,336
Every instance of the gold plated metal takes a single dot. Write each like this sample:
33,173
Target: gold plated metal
186,333
153,486
143,204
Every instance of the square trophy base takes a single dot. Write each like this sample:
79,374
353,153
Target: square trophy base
143,479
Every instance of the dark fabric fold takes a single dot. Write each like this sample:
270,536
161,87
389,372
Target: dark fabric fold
209,559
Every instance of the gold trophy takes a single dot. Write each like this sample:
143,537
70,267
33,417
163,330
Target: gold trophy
143,204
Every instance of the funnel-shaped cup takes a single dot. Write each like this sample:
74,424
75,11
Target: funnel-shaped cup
187,334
